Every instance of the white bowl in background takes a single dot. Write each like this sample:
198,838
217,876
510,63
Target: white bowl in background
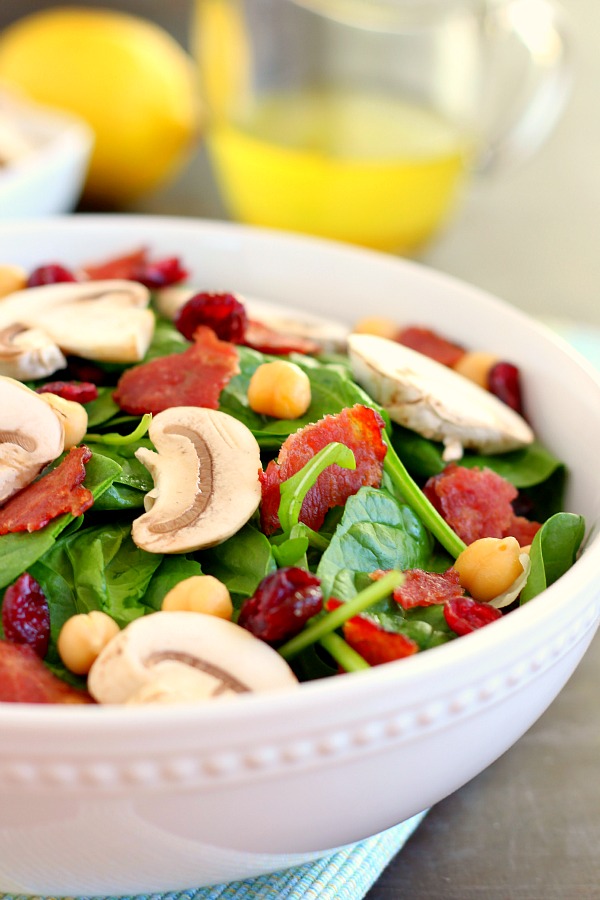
48,180
98,800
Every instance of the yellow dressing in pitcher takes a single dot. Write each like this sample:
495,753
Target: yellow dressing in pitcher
359,167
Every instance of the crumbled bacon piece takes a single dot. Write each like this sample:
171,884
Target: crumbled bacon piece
195,377
431,344
59,491
260,337
374,644
421,588
464,615
25,679
137,266
477,503
359,428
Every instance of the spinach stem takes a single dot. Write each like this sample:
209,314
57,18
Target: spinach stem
322,625
416,499
349,659
116,439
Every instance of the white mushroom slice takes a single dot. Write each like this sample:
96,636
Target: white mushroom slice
28,353
180,656
103,320
433,400
31,436
206,480
328,333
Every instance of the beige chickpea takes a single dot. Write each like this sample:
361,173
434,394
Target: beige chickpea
73,415
489,566
378,325
200,593
12,278
280,389
83,637
476,365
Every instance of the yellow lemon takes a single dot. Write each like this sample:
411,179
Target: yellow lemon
127,77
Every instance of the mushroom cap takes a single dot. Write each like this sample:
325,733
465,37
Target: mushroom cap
31,436
433,400
206,480
183,656
28,353
102,320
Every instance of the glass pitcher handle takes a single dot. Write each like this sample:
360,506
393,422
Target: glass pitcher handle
542,29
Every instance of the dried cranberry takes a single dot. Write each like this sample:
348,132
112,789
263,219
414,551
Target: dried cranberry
80,391
25,614
504,381
53,273
282,603
79,369
161,273
222,312
464,614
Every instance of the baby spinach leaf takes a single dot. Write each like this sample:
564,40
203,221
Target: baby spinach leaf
332,389
19,551
170,572
240,562
523,468
375,532
553,551
102,408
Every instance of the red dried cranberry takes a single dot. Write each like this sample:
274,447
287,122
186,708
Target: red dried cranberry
79,369
161,273
282,603
53,273
80,391
25,614
504,381
463,614
222,312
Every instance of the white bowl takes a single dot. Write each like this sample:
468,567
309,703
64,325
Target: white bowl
127,800
49,179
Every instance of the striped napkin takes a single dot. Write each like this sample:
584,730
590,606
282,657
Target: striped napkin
346,874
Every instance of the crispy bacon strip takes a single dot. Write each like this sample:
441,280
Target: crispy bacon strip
359,428
25,679
195,377
373,643
59,491
431,344
421,588
477,503
260,337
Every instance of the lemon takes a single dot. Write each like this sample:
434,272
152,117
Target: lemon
128,78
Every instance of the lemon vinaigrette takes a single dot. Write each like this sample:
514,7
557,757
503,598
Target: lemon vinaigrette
358,167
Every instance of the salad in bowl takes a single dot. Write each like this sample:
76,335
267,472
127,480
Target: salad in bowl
251,534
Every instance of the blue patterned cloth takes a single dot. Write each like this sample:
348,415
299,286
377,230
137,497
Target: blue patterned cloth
345,875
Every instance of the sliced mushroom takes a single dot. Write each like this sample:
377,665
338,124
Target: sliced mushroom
31,436
328,333
103,320
206,480
185,656
433,400
28,353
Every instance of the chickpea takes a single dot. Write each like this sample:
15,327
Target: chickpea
280,389
378,325
476,366
489,566
73,415
200,593
83,637
12,278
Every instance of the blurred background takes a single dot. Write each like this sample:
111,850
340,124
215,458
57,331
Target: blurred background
529,234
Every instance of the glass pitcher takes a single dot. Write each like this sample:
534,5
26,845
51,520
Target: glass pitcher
361,120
